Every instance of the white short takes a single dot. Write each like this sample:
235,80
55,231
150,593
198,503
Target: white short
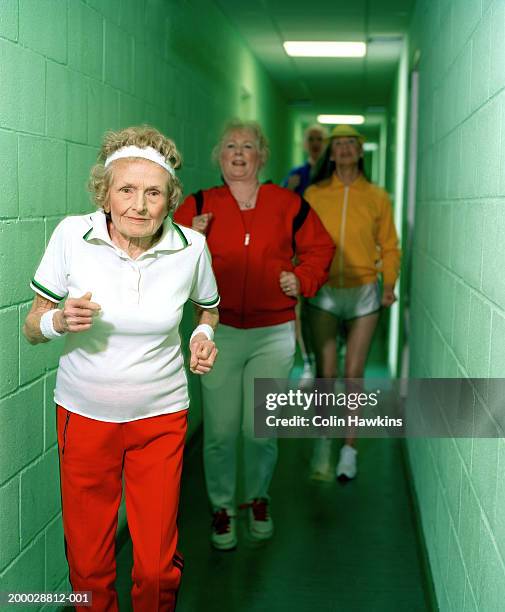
348,302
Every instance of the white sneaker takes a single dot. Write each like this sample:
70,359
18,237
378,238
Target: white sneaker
347,467
224,531
261,526
320,465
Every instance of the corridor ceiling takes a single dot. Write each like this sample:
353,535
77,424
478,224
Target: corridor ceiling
347,85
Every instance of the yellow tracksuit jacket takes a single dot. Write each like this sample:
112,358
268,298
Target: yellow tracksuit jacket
359,218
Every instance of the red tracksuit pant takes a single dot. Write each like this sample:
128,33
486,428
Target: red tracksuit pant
94,457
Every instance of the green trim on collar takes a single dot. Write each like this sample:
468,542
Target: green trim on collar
46,291
181,234
85,237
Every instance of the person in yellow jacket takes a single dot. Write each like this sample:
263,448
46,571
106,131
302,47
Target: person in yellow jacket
358,216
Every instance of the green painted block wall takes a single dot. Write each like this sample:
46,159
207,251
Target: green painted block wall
70,70
458,288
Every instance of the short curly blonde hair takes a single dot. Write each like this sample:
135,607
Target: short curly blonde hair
243,126
141,136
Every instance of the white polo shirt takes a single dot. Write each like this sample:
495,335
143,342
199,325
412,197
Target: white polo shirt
129,365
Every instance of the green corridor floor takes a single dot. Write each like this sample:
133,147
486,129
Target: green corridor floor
336,547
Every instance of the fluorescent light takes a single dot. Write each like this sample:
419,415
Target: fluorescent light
370,146
324,49
336,119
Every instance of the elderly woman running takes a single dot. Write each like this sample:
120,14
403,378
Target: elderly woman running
358,215
123,274
254,231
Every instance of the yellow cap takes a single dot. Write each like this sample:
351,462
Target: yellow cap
345,130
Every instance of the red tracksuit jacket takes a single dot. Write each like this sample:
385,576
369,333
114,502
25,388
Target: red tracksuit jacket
248,262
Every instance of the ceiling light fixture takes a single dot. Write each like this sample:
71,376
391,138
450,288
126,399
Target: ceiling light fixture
324,49
336,119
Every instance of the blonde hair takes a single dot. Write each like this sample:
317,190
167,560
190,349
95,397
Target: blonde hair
141,136
315,127
243,126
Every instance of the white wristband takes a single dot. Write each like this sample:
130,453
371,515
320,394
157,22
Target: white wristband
46,325
203,329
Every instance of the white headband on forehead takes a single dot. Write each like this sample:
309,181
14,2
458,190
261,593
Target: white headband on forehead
146,153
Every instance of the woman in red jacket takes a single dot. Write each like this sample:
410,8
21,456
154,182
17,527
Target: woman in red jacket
253,232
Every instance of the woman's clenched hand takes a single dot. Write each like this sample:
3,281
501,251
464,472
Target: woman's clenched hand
77,314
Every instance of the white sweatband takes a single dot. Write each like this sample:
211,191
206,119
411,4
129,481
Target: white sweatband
146,153
46,325
203,329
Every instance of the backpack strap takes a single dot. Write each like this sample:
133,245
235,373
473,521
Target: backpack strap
199,202
299,219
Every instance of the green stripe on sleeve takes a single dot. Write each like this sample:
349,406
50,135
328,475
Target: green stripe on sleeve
46,291
207,303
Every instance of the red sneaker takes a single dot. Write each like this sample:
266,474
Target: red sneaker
224,530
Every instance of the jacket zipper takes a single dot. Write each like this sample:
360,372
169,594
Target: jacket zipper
65,433
247,239
342,238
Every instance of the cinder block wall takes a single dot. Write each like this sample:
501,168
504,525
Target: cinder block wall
458,302
69,70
